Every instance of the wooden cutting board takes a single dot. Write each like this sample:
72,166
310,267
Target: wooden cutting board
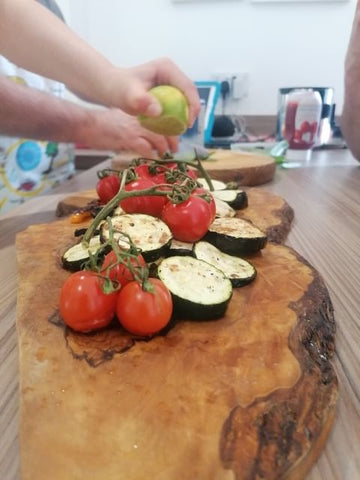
269,212
251,395
245,168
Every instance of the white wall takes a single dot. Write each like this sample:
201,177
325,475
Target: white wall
278,44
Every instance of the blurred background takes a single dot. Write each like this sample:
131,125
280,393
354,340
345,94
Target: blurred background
265,45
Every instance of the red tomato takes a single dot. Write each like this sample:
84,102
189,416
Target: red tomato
83,304
161,176
142,312
120,272
107,188
150,205
189,220
190,172
212,203
142,171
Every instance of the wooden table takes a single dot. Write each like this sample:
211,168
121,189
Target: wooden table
325,194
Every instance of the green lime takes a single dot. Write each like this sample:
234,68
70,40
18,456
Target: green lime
175,112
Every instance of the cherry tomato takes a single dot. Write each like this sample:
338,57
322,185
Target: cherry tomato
120,272
107,188
142,171
190,172
212,203
142,312
150,205
83,305
160,175
189,220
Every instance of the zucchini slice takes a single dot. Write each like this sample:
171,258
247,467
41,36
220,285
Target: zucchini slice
75,256
223,209
118,211
238,271
236,199
235,236
199,290
217,184
149,234
180,248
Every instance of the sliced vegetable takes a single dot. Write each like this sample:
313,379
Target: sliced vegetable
180,248
149,234
238,271
217,184
235,236
236,199
75,256
118,211
223,209
199,290
80,216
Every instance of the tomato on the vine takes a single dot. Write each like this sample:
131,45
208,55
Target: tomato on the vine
107,188
120,272
189,220
144,312
212,204
148,204
160,177
190,172
83,304
142,170
162,171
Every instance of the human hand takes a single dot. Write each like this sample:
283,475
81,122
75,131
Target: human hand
128,88
113,129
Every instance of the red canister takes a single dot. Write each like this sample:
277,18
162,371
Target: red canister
302,118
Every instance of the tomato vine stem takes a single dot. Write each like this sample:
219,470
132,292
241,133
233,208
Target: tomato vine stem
177,194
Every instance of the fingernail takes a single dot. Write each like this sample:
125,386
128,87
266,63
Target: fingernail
153,110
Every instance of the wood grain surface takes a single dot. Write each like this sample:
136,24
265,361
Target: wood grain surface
251,395
325,196
245,168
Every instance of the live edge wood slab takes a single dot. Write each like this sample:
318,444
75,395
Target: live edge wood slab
249,396
245,168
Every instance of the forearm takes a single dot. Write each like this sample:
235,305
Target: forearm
29,113
350,120
52,49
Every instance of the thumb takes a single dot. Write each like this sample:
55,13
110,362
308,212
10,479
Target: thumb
139,101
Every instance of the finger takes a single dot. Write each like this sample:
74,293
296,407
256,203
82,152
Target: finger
158,142
143,147
173,143
139,101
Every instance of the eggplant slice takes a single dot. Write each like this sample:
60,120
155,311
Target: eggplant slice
180,248
217,184
199,290
75,256
149,234
237,270
235,236
223,209
236,199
